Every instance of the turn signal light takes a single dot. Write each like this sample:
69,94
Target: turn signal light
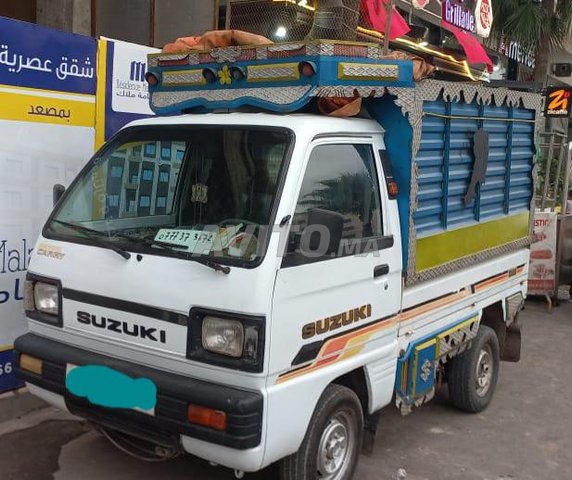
152,80
392,189
206,417
31,364
307,69
209,75
238,73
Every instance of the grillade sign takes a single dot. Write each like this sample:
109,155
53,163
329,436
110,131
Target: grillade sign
470,15
459,14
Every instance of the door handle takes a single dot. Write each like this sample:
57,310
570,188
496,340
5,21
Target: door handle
381,271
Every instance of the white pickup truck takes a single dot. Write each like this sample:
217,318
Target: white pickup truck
256,287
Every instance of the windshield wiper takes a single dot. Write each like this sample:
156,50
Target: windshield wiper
217,267
95,235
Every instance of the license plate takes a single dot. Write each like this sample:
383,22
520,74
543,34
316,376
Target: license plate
106,387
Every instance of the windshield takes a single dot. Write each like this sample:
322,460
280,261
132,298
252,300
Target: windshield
202,191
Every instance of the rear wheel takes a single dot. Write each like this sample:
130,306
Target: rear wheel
472,376
332,444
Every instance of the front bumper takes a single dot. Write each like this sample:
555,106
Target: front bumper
174,393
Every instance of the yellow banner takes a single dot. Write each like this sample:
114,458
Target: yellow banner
101,85
445,247
43,106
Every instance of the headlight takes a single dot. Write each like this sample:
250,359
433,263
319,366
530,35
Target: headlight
223,336
46,298
226,339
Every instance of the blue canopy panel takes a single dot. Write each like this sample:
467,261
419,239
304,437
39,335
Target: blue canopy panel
280,78
443,217
445,163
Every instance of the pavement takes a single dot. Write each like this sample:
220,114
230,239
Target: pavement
523,435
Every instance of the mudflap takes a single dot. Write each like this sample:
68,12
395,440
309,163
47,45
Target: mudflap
370,429
513,343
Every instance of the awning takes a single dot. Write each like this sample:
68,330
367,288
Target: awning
474,51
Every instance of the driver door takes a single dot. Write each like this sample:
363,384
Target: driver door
328,309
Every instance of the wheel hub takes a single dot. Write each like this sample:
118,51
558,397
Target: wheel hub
334,448
484,371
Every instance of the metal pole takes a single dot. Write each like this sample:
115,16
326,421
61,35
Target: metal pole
561,160
389,14
567,175
562,224
547,172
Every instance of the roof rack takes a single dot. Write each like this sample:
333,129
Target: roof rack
281,77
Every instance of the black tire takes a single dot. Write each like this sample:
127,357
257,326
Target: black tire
465,391
337,404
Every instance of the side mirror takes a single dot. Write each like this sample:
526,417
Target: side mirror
323,234
57,193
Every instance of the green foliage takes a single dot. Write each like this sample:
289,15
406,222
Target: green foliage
527,21
343,194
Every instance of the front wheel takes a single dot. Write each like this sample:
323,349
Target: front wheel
332,444
472,376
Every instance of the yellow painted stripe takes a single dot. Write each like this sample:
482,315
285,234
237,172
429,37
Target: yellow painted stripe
446,247
100,94
44,109
6,348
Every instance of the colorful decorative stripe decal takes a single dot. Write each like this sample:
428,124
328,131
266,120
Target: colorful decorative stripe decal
342,347
352,343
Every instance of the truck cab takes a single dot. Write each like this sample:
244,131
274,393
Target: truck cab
235,183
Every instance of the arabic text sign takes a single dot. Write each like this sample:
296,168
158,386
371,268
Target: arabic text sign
542,276
38,57
26,105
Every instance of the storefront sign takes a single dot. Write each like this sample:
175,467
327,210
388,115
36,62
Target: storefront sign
515,52
557,102
130,93
542,274
458,14
484,14
126,96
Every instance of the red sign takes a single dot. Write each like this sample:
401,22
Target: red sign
484,13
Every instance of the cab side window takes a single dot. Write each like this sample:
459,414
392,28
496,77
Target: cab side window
342,178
